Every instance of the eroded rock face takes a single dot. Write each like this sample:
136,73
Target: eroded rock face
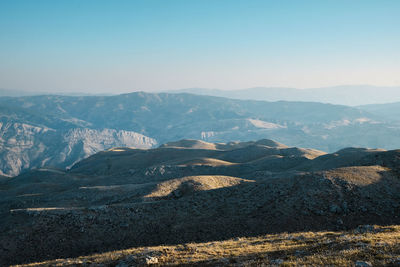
24,146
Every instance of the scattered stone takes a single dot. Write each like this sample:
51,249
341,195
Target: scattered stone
361,229
299,253
122,264
345,207
305,212
124,225
277,262
177,193
363,209
151,260
299,238
335,209
224,261
319,212
363,264
361,244
128,261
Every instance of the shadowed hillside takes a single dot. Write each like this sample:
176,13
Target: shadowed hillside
193,191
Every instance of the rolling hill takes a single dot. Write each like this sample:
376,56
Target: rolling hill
57,131
193,191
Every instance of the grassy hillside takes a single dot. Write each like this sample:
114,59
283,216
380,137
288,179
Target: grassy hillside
367,245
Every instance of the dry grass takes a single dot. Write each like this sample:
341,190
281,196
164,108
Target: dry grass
194,183
205,162
191,144
377,245
359,175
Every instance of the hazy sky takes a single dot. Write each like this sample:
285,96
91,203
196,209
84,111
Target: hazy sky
120,46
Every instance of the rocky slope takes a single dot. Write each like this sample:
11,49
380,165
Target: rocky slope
56,131
25,146
193,191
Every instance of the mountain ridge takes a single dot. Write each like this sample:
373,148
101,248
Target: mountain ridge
351,95
166,117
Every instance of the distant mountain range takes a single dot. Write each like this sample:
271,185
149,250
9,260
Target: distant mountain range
389,111
351,95
57,131
18,93
15,92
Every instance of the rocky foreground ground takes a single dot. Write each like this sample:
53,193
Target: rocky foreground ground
192,192
367,245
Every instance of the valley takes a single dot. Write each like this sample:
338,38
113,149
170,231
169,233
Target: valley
58,131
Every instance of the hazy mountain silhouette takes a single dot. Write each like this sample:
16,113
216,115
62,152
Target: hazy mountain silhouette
352,95
388,111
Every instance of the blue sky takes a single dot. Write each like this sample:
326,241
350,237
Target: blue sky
120,46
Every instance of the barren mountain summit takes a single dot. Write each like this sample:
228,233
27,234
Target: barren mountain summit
192,144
